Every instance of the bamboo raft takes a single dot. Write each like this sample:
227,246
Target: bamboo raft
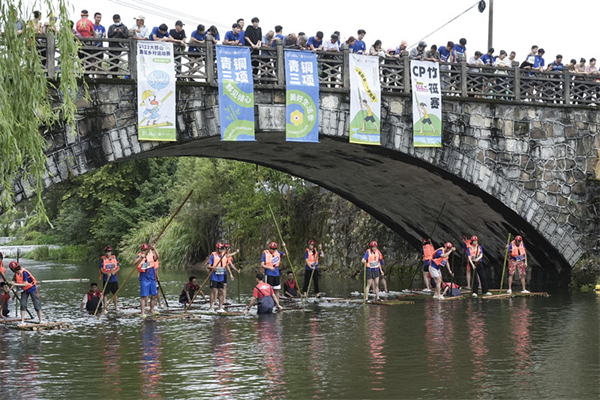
168,317
44,326
450,298
64,280
13,320
223,314
390,302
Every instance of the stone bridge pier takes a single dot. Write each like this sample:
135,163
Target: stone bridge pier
505,167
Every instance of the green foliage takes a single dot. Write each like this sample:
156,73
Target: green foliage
66,253
585,274
33,238
26,99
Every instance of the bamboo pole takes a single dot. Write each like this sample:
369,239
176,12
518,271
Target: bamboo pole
16,295
102,297
286,253
155,241
200,290
365,286
505,259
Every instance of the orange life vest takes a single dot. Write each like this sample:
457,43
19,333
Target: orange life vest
19,279
109,264
272,260
441,260
218,264
313,256
428,251
374,259
148,259
475,251
517,252
467,243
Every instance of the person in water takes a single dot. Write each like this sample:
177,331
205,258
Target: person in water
265,295
189,290
92,300
290,287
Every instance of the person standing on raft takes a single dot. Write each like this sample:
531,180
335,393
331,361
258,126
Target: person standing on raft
475,258
311,269
427,252
25,280
440,259
147,265
517,260
373,260
269,263
217,264
109,266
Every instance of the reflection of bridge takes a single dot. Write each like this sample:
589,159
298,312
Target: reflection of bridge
506,166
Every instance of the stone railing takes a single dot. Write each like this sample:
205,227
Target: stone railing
198,64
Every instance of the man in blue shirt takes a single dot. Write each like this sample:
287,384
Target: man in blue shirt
539,62
315,43
556,65
198,37
278,35
232,37
447,53
160,34
242,23
100,33
461,49
488,58
359,45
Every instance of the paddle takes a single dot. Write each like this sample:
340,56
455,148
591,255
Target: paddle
365,286
504,267
286,252
16,295
157,239
430,236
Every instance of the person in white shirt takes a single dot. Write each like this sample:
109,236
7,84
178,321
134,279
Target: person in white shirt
333,44
140,31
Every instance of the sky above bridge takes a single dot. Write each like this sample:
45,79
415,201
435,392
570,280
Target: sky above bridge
570,28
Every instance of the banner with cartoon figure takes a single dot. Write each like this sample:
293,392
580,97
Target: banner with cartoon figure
302,97
156,91
236,93
426,104
365,100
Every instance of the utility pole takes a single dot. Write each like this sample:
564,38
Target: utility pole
491,24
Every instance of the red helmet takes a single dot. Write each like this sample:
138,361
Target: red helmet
448,245
272,245
220,245
373,244
518,238
13,265
145,246
424,241
108,248
311,242
474,238
227,245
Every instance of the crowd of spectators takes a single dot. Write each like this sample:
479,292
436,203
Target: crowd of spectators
252,36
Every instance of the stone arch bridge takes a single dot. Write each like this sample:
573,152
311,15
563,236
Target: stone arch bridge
505,166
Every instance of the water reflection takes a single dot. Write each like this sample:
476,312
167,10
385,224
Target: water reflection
477,344
110,342
223,355
151,367
520,321
26,380
376,338
269,333
316,349
439,337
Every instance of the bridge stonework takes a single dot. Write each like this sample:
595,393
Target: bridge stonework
504,167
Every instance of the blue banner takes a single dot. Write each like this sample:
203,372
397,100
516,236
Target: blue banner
236,93
302,97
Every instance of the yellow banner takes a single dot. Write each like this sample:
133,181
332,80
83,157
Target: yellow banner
363,78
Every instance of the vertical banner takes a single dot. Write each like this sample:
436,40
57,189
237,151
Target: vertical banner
301,97
156,91
427,103
236,93
365,100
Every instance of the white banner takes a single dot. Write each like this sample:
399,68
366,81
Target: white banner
156,91
365,100
427,103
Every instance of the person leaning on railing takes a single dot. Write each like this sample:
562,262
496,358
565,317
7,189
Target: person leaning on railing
139,30
117,30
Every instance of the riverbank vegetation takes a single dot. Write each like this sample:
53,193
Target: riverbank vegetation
124,205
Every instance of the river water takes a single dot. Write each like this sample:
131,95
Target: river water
508,348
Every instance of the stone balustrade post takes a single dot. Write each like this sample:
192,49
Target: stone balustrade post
132,54
517,81
280,63
210,60
566,86
463,76
50,55
406,73
346,67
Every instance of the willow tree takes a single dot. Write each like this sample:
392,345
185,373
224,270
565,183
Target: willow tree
29,102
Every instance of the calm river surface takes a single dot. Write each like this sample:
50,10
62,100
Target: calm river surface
509,348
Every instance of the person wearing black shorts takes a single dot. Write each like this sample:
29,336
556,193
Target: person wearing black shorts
109,266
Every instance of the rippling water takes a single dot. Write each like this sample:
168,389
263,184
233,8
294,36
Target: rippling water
521,347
